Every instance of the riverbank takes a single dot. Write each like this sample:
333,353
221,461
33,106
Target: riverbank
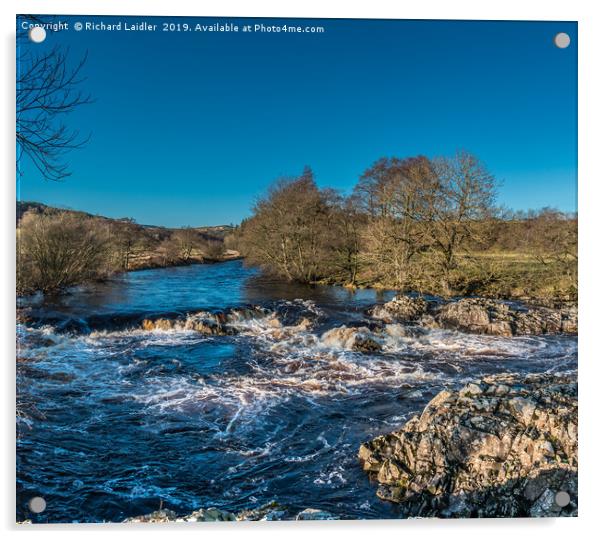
258,389
510,275
148,260
59,248
501,446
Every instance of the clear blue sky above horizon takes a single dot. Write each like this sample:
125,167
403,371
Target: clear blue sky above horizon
191,128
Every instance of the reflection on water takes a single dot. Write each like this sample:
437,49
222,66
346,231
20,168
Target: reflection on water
259,288
118,420
195,287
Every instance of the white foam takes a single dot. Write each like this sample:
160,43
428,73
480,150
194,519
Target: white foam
294,361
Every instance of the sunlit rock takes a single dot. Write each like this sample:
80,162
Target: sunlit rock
315,514
484,452
162,324
400,309
350,338
479,315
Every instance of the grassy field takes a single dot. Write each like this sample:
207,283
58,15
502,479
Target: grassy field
496,274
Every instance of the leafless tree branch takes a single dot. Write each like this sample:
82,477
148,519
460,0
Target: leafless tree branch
48,89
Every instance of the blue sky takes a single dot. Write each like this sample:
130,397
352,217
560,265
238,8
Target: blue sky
190,128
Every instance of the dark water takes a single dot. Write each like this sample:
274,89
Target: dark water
117,420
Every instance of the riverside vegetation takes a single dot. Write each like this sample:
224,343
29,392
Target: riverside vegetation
414,224
61,248
495,379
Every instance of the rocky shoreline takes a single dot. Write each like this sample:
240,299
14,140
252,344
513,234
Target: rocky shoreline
503,446
407,313
269,511
480,315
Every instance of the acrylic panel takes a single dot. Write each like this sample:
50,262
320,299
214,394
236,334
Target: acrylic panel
295,269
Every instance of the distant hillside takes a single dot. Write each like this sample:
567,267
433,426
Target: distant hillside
218,231
138,246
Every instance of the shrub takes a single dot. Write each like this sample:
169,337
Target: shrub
60,249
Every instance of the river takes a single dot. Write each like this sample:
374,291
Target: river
117,421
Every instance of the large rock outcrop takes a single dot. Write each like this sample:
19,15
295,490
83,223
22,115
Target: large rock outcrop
494,317
479,315
503,446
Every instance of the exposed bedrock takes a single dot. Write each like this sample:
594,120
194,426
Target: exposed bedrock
400,309
479,315
218,323
280,321
270,511
356,339
501,446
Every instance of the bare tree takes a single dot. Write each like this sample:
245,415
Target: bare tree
169,252
59,250
345,237
125,238
396,193
286,234
186,239
48,89
464,198
213,249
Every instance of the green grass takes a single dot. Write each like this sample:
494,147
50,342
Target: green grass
502,275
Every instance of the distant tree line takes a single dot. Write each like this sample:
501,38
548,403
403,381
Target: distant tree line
57,249
413,224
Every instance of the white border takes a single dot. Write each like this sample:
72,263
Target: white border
590,174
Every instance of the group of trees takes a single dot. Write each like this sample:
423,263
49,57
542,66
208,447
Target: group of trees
187,244
420,224
423,224
59,248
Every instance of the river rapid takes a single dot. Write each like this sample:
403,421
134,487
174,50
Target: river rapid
116,421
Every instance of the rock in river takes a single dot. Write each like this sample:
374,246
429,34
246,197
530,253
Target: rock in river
494,317
218,323
500,447
201,515
400,309
357,339
479,315
269,511
315,514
